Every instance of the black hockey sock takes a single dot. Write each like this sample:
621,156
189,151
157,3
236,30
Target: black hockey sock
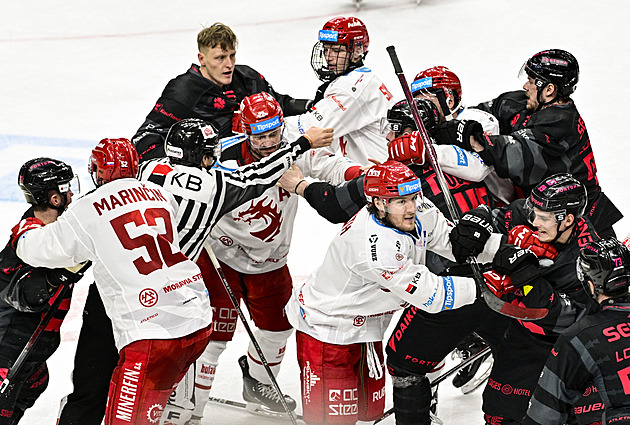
412,400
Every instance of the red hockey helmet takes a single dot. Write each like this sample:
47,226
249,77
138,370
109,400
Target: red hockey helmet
113,159
391,179
436,80
349,31
260,113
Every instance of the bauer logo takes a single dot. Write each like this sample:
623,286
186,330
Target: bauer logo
266,125
409,187
423,83
327,35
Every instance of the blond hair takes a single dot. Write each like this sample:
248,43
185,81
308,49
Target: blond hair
215,35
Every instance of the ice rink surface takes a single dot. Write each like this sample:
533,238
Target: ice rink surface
74,72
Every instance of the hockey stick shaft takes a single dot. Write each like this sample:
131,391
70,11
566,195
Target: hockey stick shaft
233,403
442,377
263,360
28,348
491,300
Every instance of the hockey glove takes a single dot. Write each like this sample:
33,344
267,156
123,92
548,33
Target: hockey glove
64,276
526,238
518,263
499,284
470,235
458,133
407,149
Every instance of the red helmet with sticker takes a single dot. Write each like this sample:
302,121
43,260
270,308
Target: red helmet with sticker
438,79
113,159
391,179
260,113
349,31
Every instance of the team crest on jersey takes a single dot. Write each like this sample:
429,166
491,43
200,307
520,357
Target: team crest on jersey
359,321
155,413
148,297
269,213
226,240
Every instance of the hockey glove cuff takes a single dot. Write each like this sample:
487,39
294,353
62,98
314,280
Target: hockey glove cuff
470,235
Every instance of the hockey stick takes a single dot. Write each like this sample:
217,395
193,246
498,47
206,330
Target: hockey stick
238,404
442,377
263,360
494,302
26,351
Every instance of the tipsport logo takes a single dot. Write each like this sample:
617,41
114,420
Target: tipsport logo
266,125
409,187
423,83
327,35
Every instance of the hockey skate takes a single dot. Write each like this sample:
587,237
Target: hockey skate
473,376
262,399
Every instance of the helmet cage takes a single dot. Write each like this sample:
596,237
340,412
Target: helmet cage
400,116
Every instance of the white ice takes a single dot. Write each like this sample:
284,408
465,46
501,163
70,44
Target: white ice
74,72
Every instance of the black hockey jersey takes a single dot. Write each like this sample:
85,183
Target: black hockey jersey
592,351
191,95
549,141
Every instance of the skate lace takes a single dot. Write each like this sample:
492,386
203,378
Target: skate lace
268,391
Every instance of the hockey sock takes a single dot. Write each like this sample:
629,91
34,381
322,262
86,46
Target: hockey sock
273,346
206,366
412,400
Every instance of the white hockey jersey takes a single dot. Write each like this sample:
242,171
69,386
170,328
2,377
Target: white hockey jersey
370,271
468,165
256,236
204,196
127,228
353,105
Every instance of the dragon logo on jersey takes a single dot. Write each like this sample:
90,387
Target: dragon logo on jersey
269,213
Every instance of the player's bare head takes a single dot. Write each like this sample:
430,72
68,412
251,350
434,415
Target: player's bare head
217,34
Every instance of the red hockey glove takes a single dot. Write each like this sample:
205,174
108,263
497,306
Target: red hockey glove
499,284
526,238
407,149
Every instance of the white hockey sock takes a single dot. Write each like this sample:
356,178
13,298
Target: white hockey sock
206,366
273,345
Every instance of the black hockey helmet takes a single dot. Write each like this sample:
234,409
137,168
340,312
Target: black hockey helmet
400,116
189,140
605,263
560,194
39,176
554,66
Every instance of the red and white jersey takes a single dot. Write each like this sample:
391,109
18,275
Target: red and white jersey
256,236
127,228
468,165
353,105
372,270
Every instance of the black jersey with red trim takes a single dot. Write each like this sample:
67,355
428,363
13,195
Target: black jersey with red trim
17,327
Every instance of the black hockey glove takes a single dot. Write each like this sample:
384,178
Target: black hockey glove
518,263
471,233
66,276
455,132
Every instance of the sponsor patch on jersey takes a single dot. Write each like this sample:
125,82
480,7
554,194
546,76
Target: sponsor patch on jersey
328,35
162,169
409,187
411,288
462,159
363,69
449,293
266,125
423,83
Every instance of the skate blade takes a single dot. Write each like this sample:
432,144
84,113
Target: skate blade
480,377
262,410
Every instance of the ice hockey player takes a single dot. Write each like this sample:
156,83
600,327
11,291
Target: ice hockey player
352,99
593,351
373,267
192,146
26,292
555,208
211,91
113,226
542,133
252,244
